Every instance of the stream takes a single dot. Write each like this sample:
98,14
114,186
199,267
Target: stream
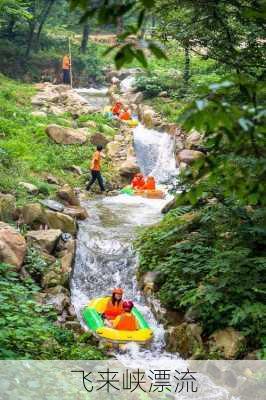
105,257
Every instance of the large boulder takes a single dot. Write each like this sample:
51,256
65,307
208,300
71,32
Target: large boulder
62,135
98,139
67,193
193,139
33,214
188,156
227,341
113,149
65,223
185,339
77,212
59,301
7,206
12,246
45,240
148,117
129,168
29,187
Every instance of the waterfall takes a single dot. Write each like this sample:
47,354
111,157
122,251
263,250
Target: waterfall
155,154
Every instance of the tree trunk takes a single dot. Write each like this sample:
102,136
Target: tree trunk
186,72
119,25
30,38
43,19
85,38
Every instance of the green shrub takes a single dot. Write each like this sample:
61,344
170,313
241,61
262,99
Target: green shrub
27,330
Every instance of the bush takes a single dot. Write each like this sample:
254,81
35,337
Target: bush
26,327
211,259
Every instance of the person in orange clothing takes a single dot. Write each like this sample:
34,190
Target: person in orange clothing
125,115
96,169
66,64
138,181
115,305
150,183
126,321
116,110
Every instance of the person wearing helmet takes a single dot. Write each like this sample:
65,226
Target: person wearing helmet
150,183
126,321
115,305
138,181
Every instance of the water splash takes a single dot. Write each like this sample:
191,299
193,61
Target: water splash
155,154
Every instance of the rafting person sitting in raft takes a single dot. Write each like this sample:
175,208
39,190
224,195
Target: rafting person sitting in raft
150,184
115,305
126,321
138,181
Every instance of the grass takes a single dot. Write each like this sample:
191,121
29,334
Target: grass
27,153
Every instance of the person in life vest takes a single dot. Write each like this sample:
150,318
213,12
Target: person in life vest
116,110
96,169
66,64
138,181
126,321
125,115
115,305
150,183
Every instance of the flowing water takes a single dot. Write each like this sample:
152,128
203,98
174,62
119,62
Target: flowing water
105,257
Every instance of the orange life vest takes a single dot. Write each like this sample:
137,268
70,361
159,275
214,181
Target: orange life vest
150,184
138,182
117,108
125,115
66,62
96,161
113,310
125,322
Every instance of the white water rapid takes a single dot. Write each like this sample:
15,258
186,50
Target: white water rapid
105,257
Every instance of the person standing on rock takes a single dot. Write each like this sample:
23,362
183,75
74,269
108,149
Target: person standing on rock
66,69
96,169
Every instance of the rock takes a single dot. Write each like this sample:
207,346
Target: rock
188,156
53,278
67,193
135,98
169,206
76,212
44,240
53,205
163,94
33,214
71,311
64,223
148,282
184,339
113,149
182,166
148,117
7,206
59,301
62,135
76,169
193,139
57,111
191,315
128,84
52,179
39,114
74,326
32,189
12,246
88,124
129,168
228,341
98,139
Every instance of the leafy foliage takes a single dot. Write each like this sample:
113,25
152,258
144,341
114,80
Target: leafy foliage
27,328
211,259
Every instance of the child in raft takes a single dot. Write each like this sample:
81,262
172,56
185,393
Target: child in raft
115,305
126,321
125,115
150,184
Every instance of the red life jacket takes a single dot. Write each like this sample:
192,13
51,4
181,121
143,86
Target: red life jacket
126,322
113,310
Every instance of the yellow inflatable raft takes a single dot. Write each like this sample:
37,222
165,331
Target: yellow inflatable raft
92,317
